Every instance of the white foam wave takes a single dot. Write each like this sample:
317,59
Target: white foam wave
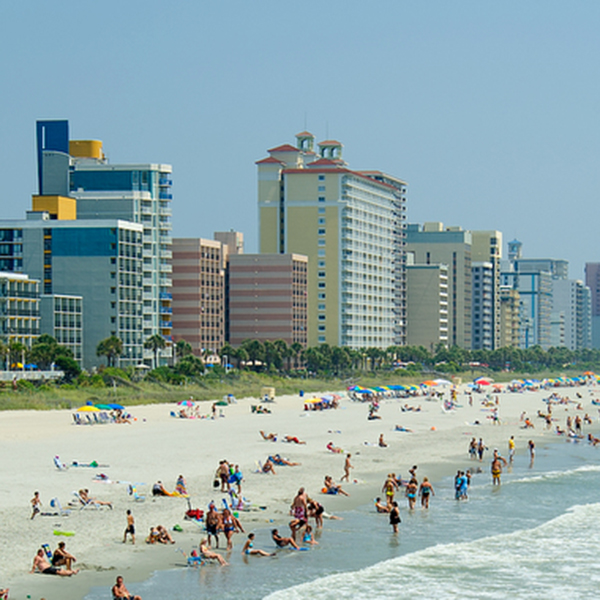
560,558
551,475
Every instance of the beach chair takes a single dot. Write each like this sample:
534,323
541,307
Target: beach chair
77,419
62,512
59,464
132,491
83,504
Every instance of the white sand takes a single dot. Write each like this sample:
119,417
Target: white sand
158,446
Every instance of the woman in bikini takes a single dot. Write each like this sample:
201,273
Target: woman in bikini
249,550
231,525
411,493
426,490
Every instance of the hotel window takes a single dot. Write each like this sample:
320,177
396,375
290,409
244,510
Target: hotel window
321,253
321,284
321,242
321,177
321,273
321,306
322,318
322,296
321,264
321,198
321,188
321,211
322,339
321,327
322,221
321,231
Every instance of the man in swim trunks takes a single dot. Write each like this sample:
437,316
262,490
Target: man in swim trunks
282,542
130,529
120,591
43,566
213,520
347,467
299,512
496,468
35,504
223,475
511,448
62,557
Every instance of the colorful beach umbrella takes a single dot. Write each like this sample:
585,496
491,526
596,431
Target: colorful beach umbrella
116,406
87,408
188,403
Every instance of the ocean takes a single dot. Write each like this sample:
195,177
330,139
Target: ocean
533,537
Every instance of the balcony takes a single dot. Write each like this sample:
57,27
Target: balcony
166,268
165,181
165,296
165,310
166,325
165,196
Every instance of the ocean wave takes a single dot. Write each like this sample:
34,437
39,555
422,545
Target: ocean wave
560,558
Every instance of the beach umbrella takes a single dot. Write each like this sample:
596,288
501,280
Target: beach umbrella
442,382
116,406
188,403
429,383
103,406
590,373
87,408
482,381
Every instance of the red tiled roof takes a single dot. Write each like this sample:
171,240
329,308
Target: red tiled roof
324,162
269,159
284,148
305,134
330,143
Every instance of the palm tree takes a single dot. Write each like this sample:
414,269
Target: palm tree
295,351
227,354
111,347
183,348
155,343
3,353
255,350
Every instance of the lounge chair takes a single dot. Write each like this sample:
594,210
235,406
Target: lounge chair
63,512
132,491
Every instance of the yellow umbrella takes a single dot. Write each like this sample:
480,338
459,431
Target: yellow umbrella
87,408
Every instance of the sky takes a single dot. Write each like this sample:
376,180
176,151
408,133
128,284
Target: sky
489,110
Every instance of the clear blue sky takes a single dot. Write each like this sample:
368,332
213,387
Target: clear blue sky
489,110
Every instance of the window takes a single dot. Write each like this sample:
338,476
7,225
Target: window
321,231
321,210
321,242
322,296
321,284
321,198
321,264
321,273
321,339
321,177
322,221
321,327
321,253
321,317
321,188
321,306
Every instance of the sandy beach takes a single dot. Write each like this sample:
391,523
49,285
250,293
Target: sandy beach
159,447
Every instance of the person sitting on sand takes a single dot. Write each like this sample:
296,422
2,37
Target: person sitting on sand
334,449
84,496
333,488
268,466
290,439
207,553
381,441
381,508
120,591
158,489
270,437
43,566
593,440
181,487
249,550
62,557
283,462
282,542
153,536
4,593
164,537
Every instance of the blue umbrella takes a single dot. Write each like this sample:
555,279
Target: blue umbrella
116,406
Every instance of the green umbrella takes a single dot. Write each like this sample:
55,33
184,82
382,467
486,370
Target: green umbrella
103,407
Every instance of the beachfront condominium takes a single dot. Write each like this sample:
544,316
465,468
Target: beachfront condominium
140,193
99,260
426,304
268,298
572,298
62,318
350,225
432,244
486,246
510,317
19,305
199,294
482,306
592,280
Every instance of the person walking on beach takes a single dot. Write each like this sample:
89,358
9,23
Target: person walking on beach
213,520
222,475
35,504
395,519
130,529
411,493
426,490
120,591
497,462
231,525
299,512
473,449
389,488
347,466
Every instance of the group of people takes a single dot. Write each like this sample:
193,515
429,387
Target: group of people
52,563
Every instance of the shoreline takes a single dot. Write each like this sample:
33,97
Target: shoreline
160,447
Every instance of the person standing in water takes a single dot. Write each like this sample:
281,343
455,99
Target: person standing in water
395,517
511,449
426,490
531,446
496,467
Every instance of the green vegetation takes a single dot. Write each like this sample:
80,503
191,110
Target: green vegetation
289,369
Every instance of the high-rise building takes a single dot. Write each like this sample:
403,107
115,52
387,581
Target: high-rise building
592,280
486,246
234,240
99,260
62,318
140,193
268,298
573,299
483,305
510,317
199,294
19,309
432,244
426,305
350,225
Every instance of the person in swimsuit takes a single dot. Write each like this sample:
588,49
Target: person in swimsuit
249,550
213,522
268,466
130,529
381,508
333,488
389,488
347,467
426,490
411,493
497,467
230,526
299,512
120,591
395,517
531,446
62,557
308,538
222,474
43,566
269,437
35,504
511,449
282,542
207,553
316,510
